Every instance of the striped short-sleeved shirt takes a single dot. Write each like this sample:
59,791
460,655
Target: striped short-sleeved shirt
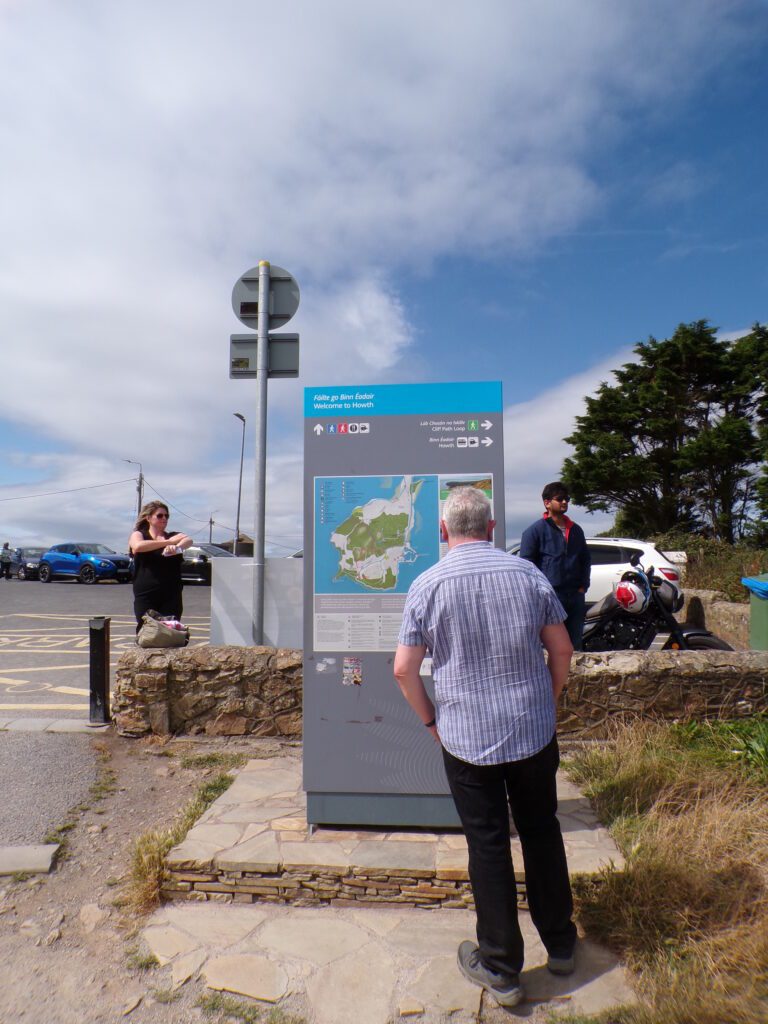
480,612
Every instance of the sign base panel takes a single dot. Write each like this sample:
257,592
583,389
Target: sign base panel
382,810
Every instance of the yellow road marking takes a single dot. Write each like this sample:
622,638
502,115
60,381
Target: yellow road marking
43,707
5,681
75,691
82,618
45,668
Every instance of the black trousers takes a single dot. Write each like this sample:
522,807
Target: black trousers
163,602
575,608
484,796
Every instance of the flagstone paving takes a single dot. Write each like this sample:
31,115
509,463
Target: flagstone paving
254,844
332,965
335,929
35,859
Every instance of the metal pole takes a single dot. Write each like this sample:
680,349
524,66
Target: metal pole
139,485
262,367
210,529
98,628
240,416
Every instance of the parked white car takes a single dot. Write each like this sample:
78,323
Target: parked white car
611,557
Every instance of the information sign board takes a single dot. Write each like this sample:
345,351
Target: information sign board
379,462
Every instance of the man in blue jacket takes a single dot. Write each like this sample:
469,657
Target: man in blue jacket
556,545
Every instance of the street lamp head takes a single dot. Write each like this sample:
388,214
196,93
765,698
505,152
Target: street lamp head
239,416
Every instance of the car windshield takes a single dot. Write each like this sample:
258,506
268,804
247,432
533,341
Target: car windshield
95,549
32,552
214,551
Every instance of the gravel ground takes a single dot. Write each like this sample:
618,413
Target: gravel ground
43,776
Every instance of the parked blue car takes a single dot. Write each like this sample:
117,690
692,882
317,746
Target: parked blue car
86,562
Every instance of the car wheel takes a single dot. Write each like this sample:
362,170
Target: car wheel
45,573
87,574
22,573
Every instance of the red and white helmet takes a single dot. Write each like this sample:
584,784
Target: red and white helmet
633,594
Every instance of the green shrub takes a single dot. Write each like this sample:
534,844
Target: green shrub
716,565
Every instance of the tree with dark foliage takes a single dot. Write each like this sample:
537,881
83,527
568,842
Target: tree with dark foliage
679,441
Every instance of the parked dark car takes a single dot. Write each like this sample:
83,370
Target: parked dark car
25,562
86,562
196,567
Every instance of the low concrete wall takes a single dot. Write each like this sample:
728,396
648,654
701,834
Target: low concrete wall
727,619
233,691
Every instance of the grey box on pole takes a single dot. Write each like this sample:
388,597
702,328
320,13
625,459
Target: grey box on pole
283,355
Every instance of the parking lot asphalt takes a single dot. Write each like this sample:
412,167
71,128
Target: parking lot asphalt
44,641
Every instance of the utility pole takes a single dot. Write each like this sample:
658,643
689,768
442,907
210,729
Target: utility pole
139,487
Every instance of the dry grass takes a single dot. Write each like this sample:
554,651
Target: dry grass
151,848
690,910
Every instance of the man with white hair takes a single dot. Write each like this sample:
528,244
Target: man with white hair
486,618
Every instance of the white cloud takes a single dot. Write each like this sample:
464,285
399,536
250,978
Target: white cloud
151,152
534,446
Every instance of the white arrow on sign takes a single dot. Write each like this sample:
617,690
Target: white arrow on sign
318,428
486,441
486,424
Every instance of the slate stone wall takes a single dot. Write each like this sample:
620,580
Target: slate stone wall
233,691
661,685
219,691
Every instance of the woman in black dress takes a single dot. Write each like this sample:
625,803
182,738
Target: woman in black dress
157,557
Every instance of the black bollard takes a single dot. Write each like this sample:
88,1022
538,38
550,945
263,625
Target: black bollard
98,628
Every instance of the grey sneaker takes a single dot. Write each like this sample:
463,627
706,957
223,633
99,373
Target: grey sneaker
505,988
560,964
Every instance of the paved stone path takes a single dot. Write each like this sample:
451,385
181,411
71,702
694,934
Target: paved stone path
362,966
351,960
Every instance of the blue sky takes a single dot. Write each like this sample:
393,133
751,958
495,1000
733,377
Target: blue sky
517,192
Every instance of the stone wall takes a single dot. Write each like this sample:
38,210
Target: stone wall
661,685
727,619
233,691
219,691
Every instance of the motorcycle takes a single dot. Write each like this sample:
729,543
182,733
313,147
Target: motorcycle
639,616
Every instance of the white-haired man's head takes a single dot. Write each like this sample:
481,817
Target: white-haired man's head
467,515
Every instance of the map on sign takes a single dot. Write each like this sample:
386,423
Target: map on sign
374,533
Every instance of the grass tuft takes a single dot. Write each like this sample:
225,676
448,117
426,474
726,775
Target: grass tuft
150,849
224,1007
224,760
165,995
135,960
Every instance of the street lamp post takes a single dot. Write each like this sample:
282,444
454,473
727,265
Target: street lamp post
239,416
139,486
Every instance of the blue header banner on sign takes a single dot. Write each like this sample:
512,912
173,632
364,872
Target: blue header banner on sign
404,399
